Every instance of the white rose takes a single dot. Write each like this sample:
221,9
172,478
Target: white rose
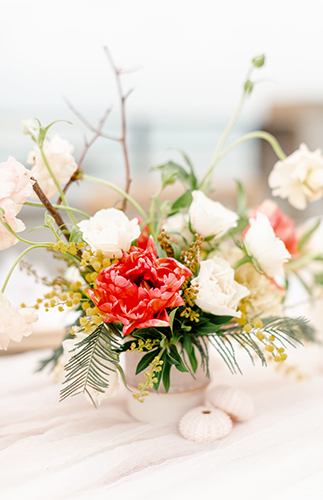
177,226
110,231
14,323
70,349
58,153
261,243
299,177
210,217
218,292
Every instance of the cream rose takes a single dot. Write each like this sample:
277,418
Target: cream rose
266,296
218,292
110,231
210,217
14,323
299,177
69,349
268,251
58,153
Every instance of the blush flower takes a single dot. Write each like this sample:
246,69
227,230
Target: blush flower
15,187
58,153
283,226
299,177
137,290
268,251
14,323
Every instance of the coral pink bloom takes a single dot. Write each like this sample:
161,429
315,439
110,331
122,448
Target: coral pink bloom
283,226
137,290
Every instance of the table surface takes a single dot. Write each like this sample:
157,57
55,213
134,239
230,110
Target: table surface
70,450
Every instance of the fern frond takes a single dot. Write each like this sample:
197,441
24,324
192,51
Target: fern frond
93,361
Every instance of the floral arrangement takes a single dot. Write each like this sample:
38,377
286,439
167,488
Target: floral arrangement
169,284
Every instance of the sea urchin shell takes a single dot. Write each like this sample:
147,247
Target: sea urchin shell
233,401
205,423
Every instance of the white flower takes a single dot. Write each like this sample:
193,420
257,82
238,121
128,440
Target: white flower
72,274
210,217
69,347
14,323
58,153
218,292
110,231
177,226
268,251
299,177
266,295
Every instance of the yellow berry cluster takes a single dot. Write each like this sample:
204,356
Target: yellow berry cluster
156,366
165,244
92,318
189,296
67,247
141,345
268,339
97,261
191,257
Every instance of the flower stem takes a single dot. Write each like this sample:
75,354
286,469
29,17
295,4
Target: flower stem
58,207
118,190
58,186
6,225
39,245
242,261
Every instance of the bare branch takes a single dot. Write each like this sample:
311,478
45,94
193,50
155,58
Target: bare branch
122,98
47,204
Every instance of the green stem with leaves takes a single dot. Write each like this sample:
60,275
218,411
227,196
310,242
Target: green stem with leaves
133,202
8,228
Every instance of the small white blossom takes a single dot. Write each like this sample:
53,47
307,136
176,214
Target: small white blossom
218,292
210,217
14,323
299,177
268,251
110,231
58,153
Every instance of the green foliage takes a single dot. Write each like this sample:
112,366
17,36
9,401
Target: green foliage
304,239
87,369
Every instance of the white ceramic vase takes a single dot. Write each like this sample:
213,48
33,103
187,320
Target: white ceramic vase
185,393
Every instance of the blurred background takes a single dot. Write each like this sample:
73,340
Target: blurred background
187,62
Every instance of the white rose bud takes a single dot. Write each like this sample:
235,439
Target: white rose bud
110,231
268,251
29,127
210,217
299,177
218,292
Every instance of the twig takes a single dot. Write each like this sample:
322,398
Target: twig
47,204
122,139
97,133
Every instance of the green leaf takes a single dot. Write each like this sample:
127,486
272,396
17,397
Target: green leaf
160,252
176,358
147,359
91,365
75,235
171,172
241,197
304,239
183,201
166,374
189,348
172,317
177,251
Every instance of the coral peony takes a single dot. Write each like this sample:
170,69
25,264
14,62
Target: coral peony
137,290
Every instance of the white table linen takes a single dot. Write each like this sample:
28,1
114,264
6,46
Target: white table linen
69,450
